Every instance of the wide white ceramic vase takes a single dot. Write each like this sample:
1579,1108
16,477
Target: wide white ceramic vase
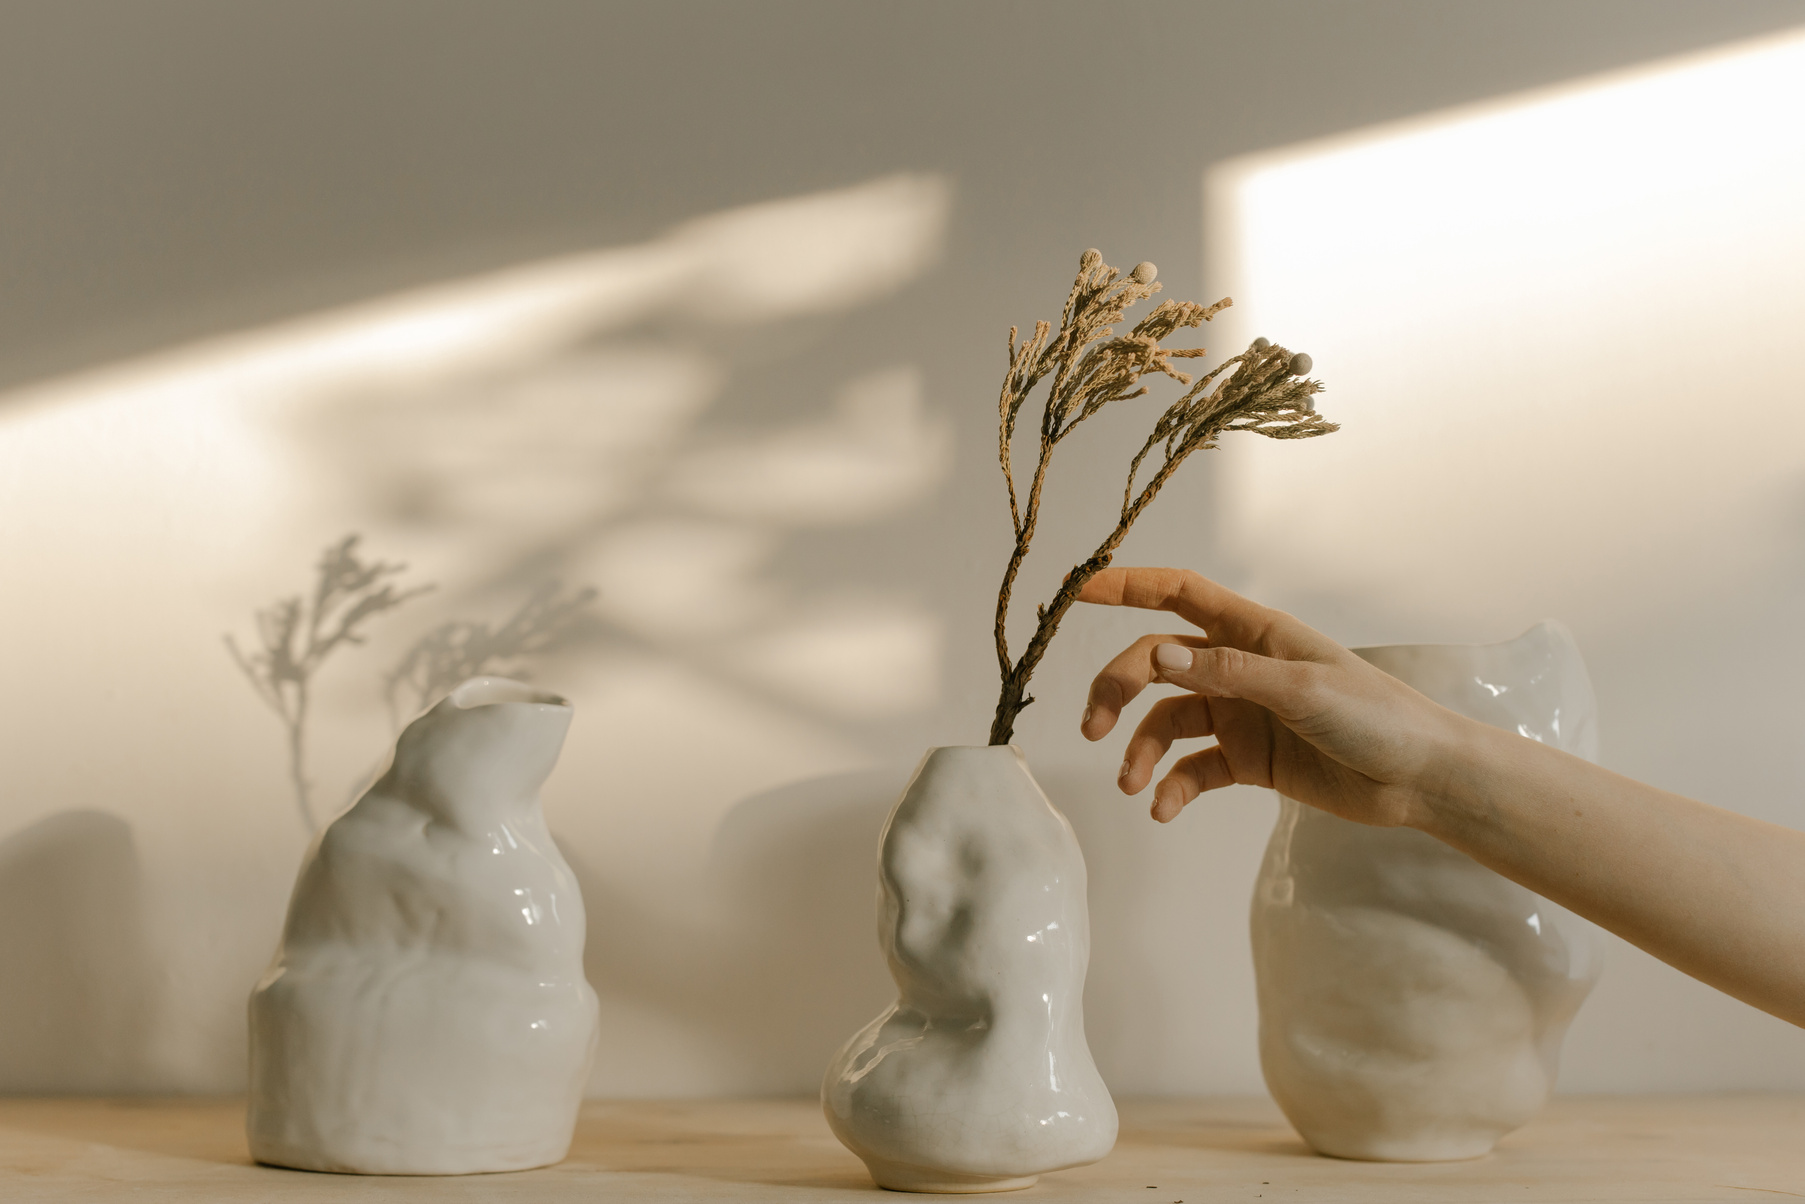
426,1012
1413,1002
978,1077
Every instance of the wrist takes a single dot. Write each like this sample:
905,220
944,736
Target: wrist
1449,790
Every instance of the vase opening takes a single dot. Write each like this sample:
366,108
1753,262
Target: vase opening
489,691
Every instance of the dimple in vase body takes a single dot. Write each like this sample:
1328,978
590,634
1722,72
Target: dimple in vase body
426,1012
978,1078
1413,1002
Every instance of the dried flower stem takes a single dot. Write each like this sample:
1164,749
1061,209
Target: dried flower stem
297,636
1090,368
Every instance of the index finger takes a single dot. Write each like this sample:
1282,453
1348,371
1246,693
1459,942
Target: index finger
1122,680
1227,617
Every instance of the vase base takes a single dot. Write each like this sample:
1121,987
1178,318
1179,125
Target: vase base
416,1162
1436,1151
898,1176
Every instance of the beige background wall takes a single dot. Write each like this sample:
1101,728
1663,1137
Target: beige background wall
700,305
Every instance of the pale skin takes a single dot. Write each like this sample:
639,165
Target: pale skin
1713,893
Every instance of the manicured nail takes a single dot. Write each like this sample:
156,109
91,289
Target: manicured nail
1122,772
1086,721
1175,658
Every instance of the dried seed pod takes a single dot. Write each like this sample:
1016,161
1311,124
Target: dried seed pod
1092,367
1301,364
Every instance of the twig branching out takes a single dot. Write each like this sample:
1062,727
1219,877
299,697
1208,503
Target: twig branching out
1265,390
298,633
453,652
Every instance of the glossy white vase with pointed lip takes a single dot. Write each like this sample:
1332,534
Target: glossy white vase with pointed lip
1413,1002
426,1012
978,1077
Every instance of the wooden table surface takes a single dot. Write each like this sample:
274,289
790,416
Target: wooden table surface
1644,1148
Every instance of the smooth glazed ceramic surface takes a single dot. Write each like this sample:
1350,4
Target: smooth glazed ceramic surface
426,1012
1413,1002
978,1078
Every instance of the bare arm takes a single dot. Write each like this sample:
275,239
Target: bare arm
1715,894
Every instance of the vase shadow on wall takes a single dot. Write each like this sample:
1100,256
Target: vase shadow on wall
789,963
784,960
78,987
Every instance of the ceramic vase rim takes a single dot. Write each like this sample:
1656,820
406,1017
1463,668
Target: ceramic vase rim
1553,624
481,692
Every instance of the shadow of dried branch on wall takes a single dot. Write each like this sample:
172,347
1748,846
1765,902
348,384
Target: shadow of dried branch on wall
460,649
296,634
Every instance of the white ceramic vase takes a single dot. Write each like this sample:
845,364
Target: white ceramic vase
426,1012
1413,1002
978,1077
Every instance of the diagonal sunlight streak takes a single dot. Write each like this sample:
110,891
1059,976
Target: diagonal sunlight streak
1553,327
571,419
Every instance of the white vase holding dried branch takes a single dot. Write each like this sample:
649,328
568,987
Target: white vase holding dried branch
978,1078
426,1012
1413,1002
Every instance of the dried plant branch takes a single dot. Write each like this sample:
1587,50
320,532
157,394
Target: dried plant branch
1264,390
453,652
296,634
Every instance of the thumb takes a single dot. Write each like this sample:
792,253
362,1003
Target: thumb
1286,688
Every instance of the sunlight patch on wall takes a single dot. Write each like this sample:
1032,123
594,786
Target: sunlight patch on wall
685,579
864,657
1556,329
879,448
807,254
570,419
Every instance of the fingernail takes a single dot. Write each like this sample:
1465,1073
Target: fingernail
1086,721
1122,772
1173,657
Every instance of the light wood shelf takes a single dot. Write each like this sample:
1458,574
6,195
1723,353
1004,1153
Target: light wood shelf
1200,1151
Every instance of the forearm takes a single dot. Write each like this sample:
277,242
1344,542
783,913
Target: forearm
1715,894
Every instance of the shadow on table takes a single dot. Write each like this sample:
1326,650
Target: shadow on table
1224,1126
779,1143
203,1130
787,1143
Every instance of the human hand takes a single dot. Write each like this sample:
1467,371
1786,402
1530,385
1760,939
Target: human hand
1717,894
1290,708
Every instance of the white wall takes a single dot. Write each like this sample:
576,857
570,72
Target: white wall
1565,395
705,312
